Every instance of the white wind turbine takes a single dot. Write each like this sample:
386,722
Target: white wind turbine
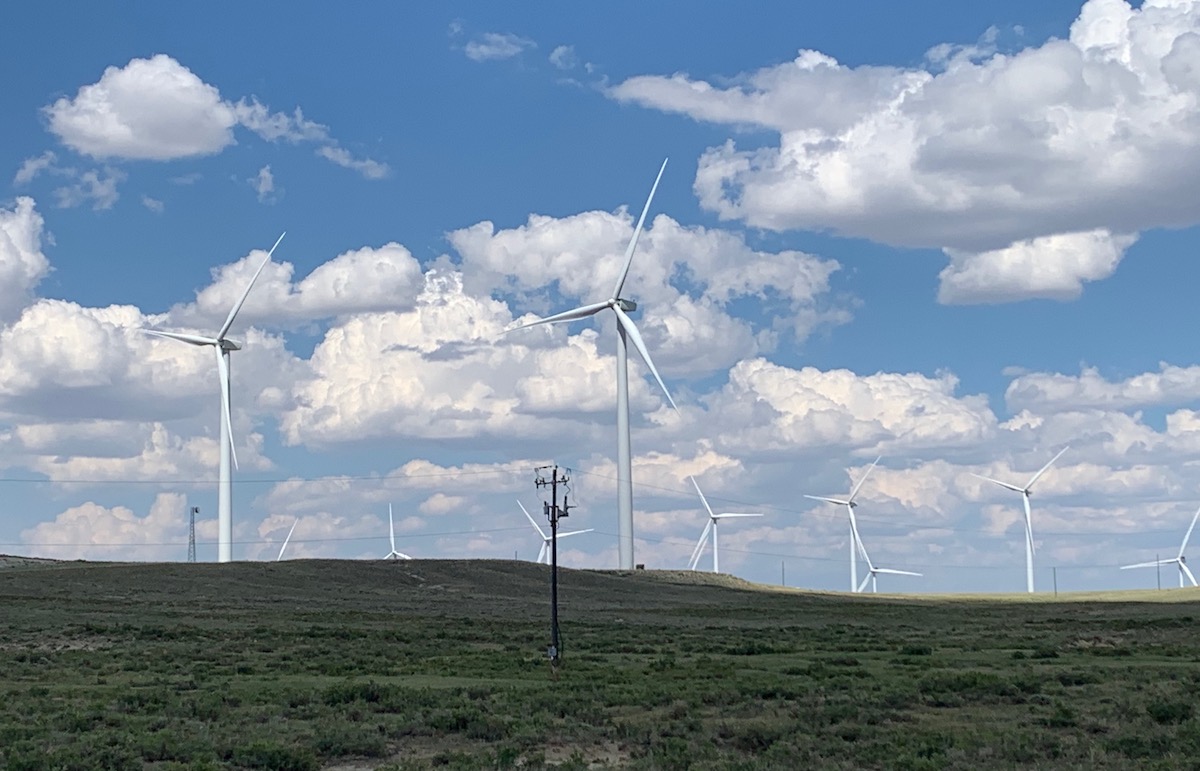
222,346
711,527
1179,560
849,503
393,554
627,332
873,571
1025,492
544,553
286,540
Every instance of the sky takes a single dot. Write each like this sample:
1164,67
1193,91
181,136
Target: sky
955,236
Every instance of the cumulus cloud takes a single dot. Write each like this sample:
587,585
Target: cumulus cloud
492,46
1055,392
22,264
99,187
158,109
153,109
99,532
32,167
563,57
153,204
1052,154
264,184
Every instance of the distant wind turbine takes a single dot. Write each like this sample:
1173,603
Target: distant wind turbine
393,554
222,346
711,527
285,540
849,503
627,332
1179,560
544,553
1025,492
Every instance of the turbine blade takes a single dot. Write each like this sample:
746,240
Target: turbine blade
1042,470
402,555
575,532
1005,485
866,473
632,331
532,521
702,498
1154,564
181,337
223,376
1183,566
897,572
1188,535
728,514
838,501
233,312
699,550
582,312
542,553
862,549
285,540
866,580
637,232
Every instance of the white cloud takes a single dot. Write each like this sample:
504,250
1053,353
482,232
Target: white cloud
98,532
563,57
22,264
273,127
492,46
1001,158
154,109
97,186
264,185
1053,267
153,204
1056,392
32,167
367,167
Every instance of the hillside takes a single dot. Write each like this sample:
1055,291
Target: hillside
313,664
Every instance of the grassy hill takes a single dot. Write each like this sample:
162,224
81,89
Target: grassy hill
314,664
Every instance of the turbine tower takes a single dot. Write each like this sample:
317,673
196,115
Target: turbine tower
627,332
855,544
711,527
873,571
1025,492
544,554
1179,560
222,346
393,554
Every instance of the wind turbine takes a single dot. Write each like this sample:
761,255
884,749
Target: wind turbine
711,527
1179,560
393,554
544,554
222,346
627,332
1025,492
285,540
855,544
873,571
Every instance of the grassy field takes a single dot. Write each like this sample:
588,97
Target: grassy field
439,664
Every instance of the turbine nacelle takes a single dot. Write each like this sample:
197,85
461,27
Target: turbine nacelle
626,305
230,345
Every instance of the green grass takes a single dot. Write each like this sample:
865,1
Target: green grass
439,664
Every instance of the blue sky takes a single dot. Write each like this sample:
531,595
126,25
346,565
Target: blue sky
955,235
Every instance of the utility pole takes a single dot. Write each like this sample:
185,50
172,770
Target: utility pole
553,513
192,534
